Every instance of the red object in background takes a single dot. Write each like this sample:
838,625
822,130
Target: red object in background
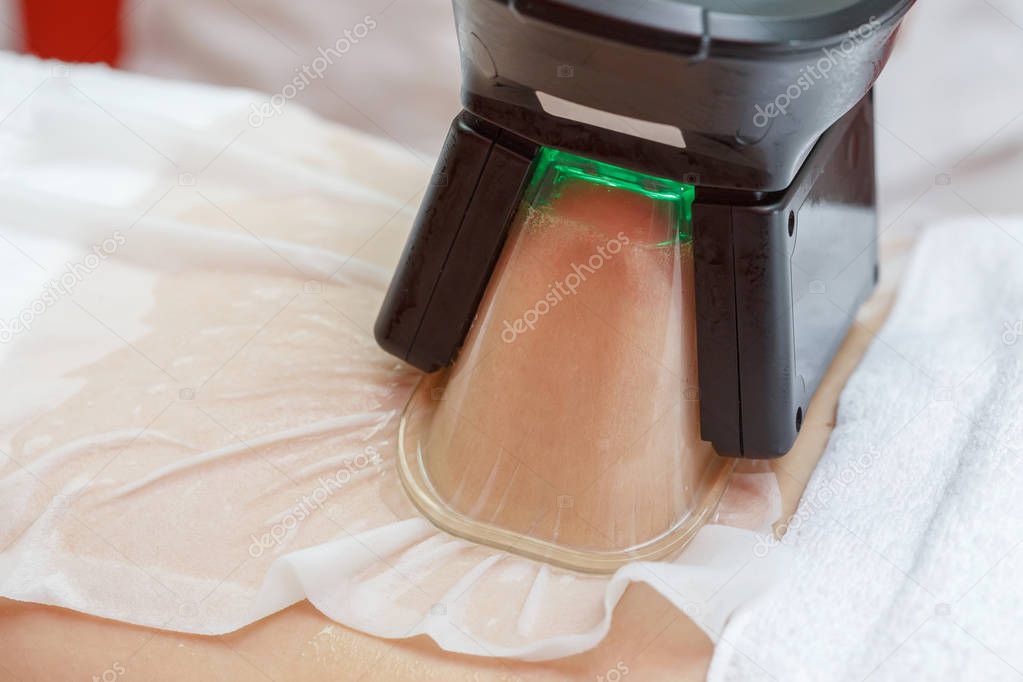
73,30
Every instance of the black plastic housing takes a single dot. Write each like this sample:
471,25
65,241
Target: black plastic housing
455,241
784,220
707,73
779,279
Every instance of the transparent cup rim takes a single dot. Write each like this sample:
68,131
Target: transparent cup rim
422,493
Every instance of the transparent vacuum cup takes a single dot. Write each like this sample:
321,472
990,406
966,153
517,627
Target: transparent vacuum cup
568,428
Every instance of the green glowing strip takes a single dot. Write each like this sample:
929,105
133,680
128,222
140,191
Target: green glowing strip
553,167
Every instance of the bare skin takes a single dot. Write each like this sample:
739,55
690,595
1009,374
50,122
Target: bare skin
652,639
588,330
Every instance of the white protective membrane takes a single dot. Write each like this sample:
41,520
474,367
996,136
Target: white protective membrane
197,428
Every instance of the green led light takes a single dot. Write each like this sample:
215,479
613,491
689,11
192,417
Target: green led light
553,168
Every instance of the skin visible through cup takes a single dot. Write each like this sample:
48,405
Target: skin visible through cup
572,413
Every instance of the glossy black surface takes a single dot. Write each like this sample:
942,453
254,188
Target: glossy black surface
751,23
778,283
772,306
455,241
648,61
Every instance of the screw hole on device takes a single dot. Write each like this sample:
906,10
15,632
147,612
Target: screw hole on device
799,419
792,223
